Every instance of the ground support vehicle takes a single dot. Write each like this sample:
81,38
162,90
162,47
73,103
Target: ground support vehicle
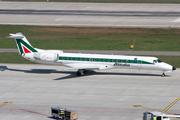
63,114
158,115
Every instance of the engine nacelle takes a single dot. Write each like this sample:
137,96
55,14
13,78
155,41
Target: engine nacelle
51,57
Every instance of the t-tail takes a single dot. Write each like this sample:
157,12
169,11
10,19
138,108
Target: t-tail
23,44
27,51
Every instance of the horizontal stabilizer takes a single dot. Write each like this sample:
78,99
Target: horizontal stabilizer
16,36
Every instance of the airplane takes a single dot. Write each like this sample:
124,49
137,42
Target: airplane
85,62
160,114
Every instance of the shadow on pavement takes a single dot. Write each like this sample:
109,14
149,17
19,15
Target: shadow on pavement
72,74
3,68
90,73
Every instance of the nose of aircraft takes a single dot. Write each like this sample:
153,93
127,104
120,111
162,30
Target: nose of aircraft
173,68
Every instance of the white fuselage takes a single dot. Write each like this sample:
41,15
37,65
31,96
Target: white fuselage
102,61
85,62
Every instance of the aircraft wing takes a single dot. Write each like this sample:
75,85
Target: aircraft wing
172,116
81,66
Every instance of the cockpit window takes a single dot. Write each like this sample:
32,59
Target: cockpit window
159,60
154,61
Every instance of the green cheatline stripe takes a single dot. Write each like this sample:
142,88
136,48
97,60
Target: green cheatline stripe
103,60
25,44
19,45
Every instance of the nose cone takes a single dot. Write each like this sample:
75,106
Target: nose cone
173,68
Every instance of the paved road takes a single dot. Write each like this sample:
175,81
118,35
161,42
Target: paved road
99,95
111,52
90,14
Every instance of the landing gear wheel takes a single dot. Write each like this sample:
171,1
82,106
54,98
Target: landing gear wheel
163,75
85,71
80,73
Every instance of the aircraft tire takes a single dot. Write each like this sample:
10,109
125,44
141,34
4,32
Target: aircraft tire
163,75
78,74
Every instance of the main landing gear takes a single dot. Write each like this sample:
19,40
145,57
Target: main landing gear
81,72
163,75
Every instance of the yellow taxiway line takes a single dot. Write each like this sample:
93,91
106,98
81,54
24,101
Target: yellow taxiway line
4,103
171,104
142,106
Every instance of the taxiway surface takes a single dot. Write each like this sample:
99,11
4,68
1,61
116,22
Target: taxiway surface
90,14
100,95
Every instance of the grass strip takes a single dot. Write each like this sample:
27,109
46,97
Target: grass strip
104,1
15,58
94,38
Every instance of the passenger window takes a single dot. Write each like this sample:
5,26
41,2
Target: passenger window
104,60
131,61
